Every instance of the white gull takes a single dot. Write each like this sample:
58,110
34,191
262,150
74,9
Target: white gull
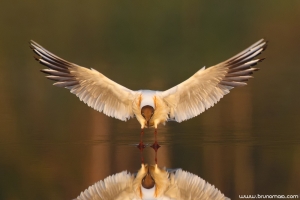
179,103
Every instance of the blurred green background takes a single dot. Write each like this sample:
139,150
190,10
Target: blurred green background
52,146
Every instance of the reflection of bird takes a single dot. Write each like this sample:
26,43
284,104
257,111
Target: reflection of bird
184,101
151,183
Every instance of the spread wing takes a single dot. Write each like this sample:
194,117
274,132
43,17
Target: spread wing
117,186
190,186
208,86
89,85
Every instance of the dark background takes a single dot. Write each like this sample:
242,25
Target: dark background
52,146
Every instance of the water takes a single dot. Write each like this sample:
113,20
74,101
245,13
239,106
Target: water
53,146
63,163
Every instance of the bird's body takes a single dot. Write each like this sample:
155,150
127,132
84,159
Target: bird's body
152,99
151,108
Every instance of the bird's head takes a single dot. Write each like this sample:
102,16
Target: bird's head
147,112
151,180
148,181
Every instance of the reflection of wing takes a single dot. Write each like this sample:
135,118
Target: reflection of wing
208,86
118,186
180,185
92,87
187,186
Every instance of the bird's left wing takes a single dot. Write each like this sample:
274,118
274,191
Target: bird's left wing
117,186
208,86
92,87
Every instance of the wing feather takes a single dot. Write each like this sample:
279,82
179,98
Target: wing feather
117,186
185,185
89,85
207,86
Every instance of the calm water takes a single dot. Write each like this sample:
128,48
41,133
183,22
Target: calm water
52,146
57,162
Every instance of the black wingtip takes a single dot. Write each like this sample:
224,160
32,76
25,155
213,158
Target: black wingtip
31,43
266,45
261,59
31,46
44,71
37,58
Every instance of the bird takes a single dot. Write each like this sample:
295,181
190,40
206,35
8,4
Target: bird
152,183
184,101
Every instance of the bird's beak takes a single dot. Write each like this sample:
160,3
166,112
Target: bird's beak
148,123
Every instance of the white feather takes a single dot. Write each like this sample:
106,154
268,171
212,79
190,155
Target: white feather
206,87
176,185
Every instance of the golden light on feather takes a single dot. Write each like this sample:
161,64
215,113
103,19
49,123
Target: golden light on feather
179,103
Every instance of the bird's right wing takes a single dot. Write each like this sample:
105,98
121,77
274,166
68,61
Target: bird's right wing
89,85
207,86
